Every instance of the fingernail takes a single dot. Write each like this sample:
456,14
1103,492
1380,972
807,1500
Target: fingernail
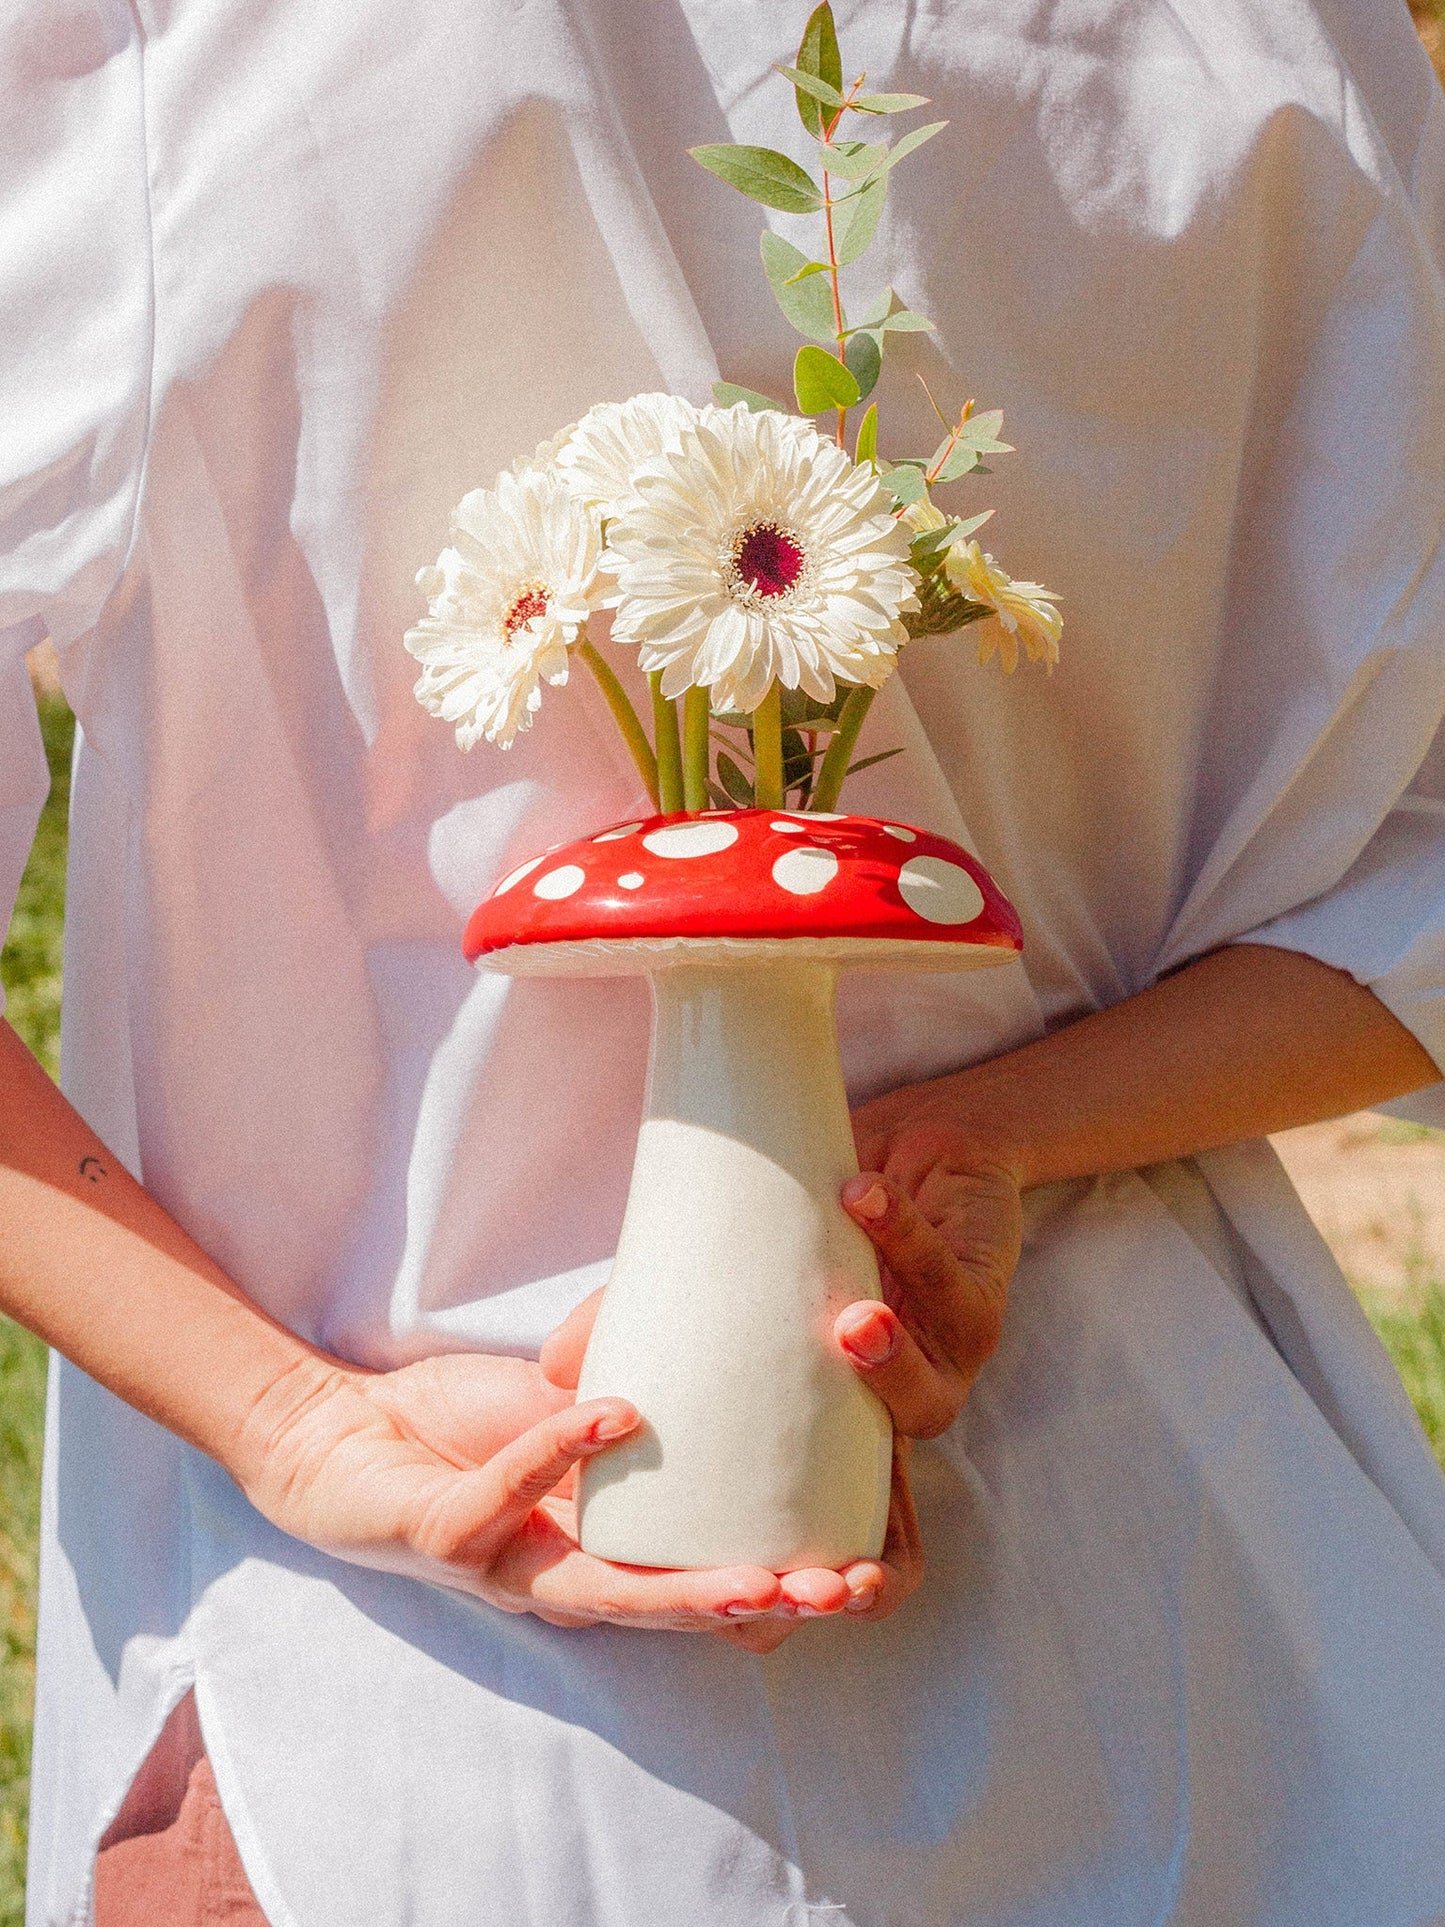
864,1600
872,1342
612,1425
801,1610
741,1611
865,1196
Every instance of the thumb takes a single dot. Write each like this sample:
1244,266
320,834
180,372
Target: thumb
562,1349
478,1512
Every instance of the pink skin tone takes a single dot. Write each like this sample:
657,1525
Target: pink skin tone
458,1469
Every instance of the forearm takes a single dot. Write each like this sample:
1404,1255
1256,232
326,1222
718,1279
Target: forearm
90,1261
1247,1041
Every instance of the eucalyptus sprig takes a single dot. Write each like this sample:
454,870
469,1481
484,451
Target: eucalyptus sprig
848,193
734,546
837,369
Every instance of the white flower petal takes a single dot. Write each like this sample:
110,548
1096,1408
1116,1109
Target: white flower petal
682,599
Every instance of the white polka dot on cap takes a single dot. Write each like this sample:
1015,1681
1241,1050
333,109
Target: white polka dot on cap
691,839
556,884
939,892
803,873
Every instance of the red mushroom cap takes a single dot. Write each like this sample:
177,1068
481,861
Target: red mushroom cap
738,884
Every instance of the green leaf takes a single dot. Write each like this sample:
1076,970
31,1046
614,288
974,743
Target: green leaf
866,447
720,798
739,788
906,322
821,381
853,160
762,174
861,221
806,302
965,448
887,103
725,393
818,55
905,484
914,140
811,84
866,762
927,548
876,313
865,358
809,267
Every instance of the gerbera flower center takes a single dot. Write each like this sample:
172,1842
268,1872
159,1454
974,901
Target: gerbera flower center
767,560
528,603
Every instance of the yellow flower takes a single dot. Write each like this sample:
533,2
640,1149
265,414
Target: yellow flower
1025,610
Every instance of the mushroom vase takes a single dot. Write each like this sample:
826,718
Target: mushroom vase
759,1443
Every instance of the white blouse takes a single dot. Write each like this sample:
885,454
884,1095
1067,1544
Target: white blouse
279,283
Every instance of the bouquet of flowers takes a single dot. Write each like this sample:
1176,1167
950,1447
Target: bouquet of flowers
767,565
766,576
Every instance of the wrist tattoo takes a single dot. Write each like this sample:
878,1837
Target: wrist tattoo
92,1170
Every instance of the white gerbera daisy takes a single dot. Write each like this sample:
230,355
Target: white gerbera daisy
1025,610
507,600
614,440
758,552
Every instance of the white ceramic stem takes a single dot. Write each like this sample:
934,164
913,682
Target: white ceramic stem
760,1446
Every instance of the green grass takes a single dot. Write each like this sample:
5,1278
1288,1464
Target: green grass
31,965
1412,1330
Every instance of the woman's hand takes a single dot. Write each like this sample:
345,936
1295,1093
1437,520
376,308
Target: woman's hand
866,1586
944,1212
449,1470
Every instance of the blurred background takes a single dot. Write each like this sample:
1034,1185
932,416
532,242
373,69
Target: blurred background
1375,1187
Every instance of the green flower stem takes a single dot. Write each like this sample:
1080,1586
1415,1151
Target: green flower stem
625,716
696,718
840,750
768,751
669,746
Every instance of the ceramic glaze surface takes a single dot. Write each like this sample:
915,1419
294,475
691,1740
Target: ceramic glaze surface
760,874
760,1446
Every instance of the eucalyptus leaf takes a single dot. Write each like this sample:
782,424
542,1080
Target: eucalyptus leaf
927,548
905,484
865,358
905,322
853,160
913,140
811,84
861,224
762,174
866,447
738,787
808,268
725,393
821,381
818,55
876,313
806,302
887,103
963,530
965,447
